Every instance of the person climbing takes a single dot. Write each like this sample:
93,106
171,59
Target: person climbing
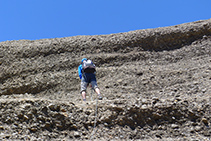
87,71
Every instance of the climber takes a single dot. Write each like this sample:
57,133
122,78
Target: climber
86,71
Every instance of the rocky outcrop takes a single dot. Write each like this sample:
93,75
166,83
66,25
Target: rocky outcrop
155,84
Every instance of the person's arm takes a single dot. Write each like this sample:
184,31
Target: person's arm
80,71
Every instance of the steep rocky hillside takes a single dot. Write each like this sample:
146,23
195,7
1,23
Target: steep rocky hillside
156,85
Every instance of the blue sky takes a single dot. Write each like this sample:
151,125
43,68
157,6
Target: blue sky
41,19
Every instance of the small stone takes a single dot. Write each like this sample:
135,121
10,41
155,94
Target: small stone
25,106
204,90
63,110
144,106
1,128
74,126
179,99
160,127
155,98
144,101
51,107
25,117
156,115
77,134
47,124
191,130
205,121
197,128
59,126
44,110
119,80
33,129
162,100
205,37
174,126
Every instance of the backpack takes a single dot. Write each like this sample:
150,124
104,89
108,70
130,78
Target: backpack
88,66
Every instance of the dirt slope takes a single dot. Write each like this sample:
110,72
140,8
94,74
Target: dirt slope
156,85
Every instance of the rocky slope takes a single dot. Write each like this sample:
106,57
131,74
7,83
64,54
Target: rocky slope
156,85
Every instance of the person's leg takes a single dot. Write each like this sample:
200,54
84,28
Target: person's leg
97,90
83,89
95,87
83,93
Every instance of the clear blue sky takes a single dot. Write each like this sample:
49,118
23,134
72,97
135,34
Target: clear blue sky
40,19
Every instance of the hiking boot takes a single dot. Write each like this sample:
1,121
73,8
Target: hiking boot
100,97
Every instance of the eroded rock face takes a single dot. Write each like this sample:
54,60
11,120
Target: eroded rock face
156,84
